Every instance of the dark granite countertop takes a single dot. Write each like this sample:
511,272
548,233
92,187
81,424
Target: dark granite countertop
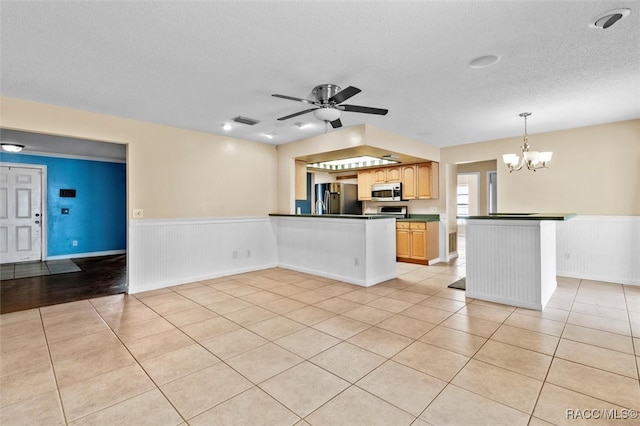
421,218
332,216
410,218
523,216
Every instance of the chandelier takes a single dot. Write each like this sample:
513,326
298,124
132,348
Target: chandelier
534,160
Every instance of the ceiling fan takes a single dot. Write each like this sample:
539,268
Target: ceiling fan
328,104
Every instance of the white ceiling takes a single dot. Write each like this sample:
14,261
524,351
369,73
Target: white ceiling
198,64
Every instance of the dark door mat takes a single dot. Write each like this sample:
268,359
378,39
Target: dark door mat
461,284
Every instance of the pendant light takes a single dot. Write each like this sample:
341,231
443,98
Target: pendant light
534,160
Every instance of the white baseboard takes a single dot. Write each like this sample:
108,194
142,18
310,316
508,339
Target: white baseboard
88,254
192,279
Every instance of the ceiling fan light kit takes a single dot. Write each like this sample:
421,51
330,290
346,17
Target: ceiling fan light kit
534,160
327,114
327,104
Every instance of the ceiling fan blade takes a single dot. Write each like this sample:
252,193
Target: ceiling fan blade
364,109
291,98
345,94
286,117
336,123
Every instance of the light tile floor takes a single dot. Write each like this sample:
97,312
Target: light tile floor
278,347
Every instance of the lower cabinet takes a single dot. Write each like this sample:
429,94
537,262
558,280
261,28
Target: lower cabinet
416,242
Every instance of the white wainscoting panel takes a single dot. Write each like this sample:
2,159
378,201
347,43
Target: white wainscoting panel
170,252
600,248
356,251
511,261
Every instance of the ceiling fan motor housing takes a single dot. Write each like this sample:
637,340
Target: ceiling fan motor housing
323,92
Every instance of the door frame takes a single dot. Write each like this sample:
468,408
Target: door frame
492,195
478,195
43,201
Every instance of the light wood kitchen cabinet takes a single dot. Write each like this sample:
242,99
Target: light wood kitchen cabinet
394,174
403,240
365,180
387,174
301,180
423,173
408,179
379,175
417,242
419,183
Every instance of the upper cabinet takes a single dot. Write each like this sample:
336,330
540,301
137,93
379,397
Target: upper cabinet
409,182
365,180
419,181
387,174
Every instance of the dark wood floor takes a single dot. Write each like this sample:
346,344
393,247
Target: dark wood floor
100,276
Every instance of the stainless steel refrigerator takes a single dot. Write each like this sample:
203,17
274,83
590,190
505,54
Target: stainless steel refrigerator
337,198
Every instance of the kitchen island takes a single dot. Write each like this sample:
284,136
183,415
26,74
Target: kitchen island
358,249
511,258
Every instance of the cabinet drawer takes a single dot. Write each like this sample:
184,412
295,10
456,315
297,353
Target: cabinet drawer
402,225
418,225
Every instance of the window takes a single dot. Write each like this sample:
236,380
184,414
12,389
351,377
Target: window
463,200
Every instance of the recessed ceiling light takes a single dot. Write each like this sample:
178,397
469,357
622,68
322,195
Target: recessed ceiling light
483,61
607,19
226,126
270,135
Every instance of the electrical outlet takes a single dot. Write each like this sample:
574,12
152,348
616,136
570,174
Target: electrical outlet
567,256
248,253
356,261
234,255
434,209
138,213
74,243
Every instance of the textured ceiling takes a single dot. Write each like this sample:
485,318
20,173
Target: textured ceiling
197,65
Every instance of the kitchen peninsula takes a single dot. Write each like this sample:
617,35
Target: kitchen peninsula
511,258
357,249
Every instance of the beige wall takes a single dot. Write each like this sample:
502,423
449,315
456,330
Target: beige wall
481,168
172,173
595,170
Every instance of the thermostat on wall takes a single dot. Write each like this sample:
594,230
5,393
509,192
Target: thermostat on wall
68,193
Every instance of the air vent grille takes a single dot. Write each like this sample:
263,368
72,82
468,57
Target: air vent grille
245,120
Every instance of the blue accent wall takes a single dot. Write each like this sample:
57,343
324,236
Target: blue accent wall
305,205
97,216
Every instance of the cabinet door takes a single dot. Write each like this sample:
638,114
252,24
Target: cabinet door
394,174
379,175
419,244
365,179
423,172
403,243
408,180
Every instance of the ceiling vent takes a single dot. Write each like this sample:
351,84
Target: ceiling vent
245,120
607,19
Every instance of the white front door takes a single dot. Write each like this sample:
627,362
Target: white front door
20,214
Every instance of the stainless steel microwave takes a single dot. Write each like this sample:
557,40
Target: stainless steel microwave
386,191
